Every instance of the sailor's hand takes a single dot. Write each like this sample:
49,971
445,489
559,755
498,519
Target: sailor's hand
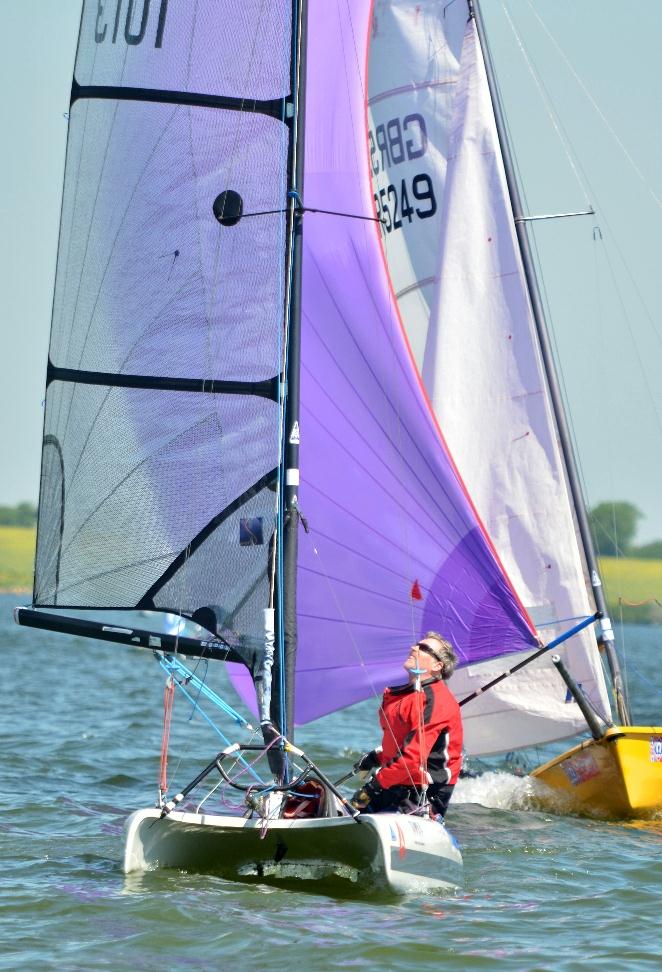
362,798
368,761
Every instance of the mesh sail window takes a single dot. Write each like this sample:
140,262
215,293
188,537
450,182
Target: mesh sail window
161,440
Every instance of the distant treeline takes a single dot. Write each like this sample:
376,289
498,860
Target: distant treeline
21,515
614,528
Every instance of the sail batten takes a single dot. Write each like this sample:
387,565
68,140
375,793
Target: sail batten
207,386
275,107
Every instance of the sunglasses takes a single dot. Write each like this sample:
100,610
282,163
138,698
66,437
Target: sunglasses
428,651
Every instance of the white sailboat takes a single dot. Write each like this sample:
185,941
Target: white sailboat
240,460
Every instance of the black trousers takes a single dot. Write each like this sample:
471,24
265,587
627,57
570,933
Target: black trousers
405,799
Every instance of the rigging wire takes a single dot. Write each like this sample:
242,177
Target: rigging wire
219,732
596,106
575,168
553,117
585,185
542,282
581,175
168,699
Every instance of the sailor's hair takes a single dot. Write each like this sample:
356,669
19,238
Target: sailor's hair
445,653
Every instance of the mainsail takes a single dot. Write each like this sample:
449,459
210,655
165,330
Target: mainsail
482,368
162,441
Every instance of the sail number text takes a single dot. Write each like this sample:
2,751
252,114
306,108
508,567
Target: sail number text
394,206
392,143
397,141
110,24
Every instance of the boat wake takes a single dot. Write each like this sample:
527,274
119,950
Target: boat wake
498,791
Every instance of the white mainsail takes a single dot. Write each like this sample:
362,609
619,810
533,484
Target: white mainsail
482,368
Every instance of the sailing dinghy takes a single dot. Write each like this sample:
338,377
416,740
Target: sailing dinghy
240,460
221,307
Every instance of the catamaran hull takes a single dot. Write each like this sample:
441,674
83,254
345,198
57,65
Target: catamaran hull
618,776
387,852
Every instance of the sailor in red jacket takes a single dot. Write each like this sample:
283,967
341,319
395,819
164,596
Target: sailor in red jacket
421,752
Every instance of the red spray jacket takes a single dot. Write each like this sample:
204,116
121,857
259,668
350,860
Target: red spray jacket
420,729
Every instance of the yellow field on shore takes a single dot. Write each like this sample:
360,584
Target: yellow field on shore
633,586
17,546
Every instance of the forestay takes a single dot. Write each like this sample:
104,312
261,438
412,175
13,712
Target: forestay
479,356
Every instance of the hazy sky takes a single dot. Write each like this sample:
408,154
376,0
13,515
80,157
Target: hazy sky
595,62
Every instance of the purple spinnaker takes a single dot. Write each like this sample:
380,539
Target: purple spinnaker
388,516
381,495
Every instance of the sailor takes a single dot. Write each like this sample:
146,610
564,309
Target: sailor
421,752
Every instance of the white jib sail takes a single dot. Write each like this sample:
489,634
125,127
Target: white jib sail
413,70
482,369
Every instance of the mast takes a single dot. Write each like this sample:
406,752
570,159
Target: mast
284,670
606,636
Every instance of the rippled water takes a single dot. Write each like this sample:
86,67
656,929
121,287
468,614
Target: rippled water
80,749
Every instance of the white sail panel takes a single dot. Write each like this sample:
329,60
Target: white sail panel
414,61
529,708
484,374
148,282
187,47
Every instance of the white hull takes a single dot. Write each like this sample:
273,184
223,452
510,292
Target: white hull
390,852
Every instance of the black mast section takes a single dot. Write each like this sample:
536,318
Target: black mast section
606,636
283,708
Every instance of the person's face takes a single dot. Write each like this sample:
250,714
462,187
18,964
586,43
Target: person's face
419,658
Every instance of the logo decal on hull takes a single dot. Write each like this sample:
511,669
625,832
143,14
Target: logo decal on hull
581,768
656,749
402,849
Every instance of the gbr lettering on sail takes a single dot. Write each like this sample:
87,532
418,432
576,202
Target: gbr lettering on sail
411,194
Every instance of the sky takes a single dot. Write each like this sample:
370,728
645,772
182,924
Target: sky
582,89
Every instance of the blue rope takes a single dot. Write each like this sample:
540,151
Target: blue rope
571,631
213,725
549,624
174,666
200,684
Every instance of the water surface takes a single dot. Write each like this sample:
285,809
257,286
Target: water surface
80,749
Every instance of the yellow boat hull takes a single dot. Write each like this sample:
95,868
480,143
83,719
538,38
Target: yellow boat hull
617,776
